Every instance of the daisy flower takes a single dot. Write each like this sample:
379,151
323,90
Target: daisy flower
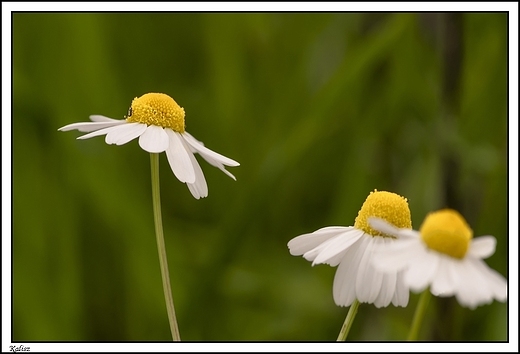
444,256
158,121
352,248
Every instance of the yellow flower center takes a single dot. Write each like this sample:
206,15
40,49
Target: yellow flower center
385,205
157,109
447,232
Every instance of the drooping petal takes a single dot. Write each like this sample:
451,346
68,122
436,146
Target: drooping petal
402,292
209,155
336,259
422,268
100,118
453,274
210,158
87,127
482,247
387,290
383,226
99,132
223,169
344,286
199,188
495,281
368,280
467,289
179,158
313,253
473,287
388,282
394,256
154,139
125,133
306,242
337,245
442,283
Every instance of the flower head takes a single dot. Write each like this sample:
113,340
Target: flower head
353,247
444,256
158,121
157,109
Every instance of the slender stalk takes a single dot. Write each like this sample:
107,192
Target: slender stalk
348,321
420,310
156,198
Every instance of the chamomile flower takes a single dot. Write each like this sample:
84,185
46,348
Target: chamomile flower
158,121
444,256
352,248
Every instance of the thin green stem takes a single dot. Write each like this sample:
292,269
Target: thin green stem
420,310
348,321
156,198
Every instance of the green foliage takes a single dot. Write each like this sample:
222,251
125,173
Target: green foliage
319,109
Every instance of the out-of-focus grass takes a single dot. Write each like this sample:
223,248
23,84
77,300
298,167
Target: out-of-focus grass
319,109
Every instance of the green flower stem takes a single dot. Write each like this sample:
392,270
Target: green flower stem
419,314
156,198
348,321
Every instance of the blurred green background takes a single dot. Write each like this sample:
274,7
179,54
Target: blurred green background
319,109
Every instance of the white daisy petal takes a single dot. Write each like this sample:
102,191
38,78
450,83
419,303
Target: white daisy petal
125,133
442,283
480,287
394,256
496,283
223,169
402,293
368,280
306,242
383,226
388,282
199,188
332,228
179,158
422,268
99,132
100,118
453,267
337,245
409,234
154,139
316,251
344,289
335,260
87,127
467,289
482,247
387,290
479,284
473,286
389,229
209,155
342,293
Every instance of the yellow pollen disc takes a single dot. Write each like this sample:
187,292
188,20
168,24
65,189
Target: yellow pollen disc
447,232
385,205
157,109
